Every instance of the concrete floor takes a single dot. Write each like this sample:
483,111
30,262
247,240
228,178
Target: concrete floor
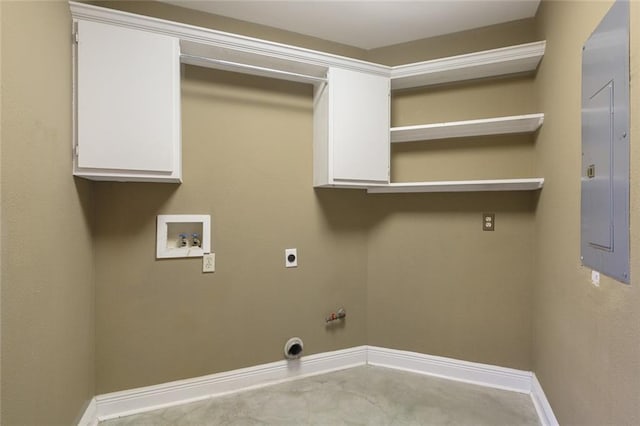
359,396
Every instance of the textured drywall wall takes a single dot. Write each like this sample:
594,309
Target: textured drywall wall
247,146
437,283
586,339
247,160
47,280
490,157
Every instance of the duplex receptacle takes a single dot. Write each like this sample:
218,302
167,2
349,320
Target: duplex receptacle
488,221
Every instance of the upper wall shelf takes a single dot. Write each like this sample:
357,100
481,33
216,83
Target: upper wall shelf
455,129
530,184
488,63
217,49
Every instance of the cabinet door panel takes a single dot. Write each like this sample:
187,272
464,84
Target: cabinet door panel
128,99
359,126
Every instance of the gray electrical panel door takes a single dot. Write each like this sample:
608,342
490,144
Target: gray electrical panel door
605,146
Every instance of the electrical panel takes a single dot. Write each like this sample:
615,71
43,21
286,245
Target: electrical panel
605,146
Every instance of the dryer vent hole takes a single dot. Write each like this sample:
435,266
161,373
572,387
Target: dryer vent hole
295,350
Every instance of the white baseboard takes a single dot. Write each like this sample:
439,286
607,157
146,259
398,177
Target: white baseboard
90,416
124,403
149,398
543,408
452,369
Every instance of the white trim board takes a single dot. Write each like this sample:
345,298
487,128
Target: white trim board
124,403
452,369
205,42
90,415
540,402
468,372
212,44
134,401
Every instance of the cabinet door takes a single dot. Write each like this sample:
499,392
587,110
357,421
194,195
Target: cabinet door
128,103
359,126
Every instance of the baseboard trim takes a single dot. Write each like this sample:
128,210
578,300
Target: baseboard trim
90,415
149,398
124,403
540,401
452,369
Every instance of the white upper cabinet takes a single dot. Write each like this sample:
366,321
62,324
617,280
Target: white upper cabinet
127,100
127,104
351,129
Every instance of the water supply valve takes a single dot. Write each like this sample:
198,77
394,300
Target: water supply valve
195,239
334,316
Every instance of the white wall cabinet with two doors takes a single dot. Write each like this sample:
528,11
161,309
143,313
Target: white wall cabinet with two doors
127,94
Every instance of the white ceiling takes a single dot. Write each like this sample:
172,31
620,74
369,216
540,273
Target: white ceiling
370,24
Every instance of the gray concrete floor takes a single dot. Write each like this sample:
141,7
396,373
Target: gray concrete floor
358,396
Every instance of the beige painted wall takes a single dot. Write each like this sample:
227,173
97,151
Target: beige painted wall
465,158
247,146
586,347
247,162
437,283
415,272
47,279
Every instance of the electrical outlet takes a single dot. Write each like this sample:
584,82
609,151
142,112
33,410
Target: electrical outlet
291,258
488,221
209,262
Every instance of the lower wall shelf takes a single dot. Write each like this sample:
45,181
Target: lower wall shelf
530,184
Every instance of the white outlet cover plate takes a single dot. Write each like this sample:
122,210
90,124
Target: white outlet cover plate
287,252
209,262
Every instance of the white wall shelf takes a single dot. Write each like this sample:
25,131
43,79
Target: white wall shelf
489,63
456,129
529,184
